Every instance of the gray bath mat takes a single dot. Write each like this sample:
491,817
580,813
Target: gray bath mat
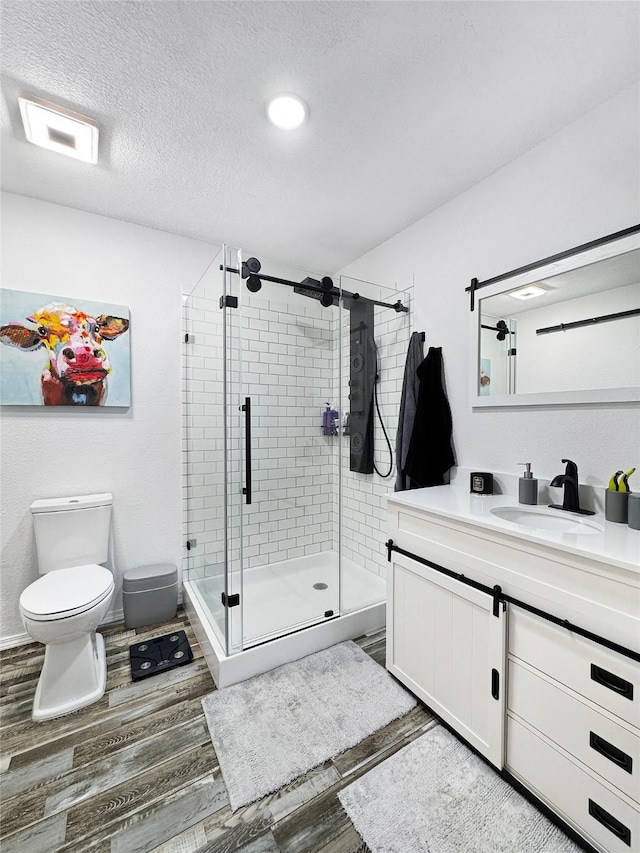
436,796
272,728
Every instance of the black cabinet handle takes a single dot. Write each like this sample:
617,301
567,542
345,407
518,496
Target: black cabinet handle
610,822
611,752
495,683
611,681
247,448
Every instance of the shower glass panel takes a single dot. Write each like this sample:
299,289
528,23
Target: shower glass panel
237,442
204,445
282,359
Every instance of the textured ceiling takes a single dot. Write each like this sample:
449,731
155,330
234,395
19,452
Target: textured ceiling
411,103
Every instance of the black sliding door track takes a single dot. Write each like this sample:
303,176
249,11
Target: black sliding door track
498,595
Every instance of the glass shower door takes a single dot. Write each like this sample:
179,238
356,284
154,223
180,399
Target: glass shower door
283,448
237,443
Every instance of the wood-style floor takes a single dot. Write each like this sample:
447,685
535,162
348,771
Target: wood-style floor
136,772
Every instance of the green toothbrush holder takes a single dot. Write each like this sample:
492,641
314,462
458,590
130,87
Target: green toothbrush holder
616,506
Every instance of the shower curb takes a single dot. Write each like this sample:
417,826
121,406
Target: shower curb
230,669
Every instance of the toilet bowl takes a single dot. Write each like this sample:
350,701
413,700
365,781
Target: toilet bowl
62,609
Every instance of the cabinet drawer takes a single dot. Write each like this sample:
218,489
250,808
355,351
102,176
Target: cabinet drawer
603,676
609,748
605,819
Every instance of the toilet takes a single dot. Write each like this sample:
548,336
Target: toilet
63,608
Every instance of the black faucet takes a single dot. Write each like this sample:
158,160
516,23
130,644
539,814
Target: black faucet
571,501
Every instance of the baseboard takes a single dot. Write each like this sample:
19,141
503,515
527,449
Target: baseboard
14,641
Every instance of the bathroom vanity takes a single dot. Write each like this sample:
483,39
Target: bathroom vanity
481,592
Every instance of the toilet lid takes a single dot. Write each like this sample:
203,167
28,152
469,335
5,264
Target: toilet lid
65,592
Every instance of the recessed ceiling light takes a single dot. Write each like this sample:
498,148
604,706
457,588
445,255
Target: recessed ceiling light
528,292
59,129
287,111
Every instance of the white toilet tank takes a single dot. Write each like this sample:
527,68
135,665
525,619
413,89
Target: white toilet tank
72,531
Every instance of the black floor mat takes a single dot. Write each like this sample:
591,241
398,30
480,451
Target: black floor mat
160,654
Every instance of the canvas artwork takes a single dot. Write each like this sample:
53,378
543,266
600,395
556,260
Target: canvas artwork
57,351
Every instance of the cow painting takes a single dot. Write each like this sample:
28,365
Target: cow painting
75,344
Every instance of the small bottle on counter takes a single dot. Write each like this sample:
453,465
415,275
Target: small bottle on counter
527,486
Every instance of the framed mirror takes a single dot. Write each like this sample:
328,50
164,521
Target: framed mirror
562,330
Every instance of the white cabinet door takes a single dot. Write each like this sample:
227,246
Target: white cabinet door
447,647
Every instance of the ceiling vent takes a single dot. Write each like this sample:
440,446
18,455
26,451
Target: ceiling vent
59,129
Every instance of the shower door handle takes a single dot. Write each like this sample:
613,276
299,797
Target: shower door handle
246,490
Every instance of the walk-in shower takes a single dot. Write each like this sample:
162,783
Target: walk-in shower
284,517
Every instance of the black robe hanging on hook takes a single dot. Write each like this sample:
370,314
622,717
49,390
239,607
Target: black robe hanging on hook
430,454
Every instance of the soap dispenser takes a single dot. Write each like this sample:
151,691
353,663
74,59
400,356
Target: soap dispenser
527,486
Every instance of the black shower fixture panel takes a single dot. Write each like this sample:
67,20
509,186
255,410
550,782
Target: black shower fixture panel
253,283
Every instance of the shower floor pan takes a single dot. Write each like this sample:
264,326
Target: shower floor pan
271,593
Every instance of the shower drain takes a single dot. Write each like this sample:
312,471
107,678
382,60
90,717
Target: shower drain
321,586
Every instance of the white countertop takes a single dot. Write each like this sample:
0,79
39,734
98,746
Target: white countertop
615,544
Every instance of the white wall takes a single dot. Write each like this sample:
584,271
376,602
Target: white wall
134,453
580,184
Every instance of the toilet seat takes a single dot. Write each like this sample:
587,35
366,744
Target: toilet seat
66,592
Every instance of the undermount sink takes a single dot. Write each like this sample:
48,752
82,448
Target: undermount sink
540,518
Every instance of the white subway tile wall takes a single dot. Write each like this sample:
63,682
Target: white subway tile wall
290,370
